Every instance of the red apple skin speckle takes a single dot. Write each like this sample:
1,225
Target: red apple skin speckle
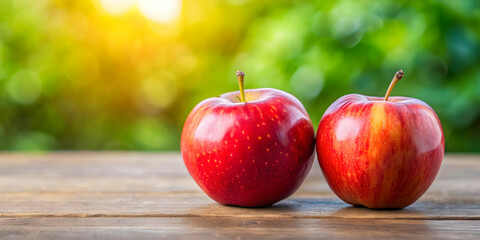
380,154
249,154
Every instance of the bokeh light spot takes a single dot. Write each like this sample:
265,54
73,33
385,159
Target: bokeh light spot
152,134
307,82
160,11
81,66
24,87
160,90
33,141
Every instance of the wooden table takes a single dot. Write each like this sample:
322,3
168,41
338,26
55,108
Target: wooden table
112,195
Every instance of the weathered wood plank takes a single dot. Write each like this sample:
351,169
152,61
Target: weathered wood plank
233,228
93,171
124,204
136,185
144,196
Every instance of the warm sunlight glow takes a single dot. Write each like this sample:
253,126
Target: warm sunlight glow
117,7
161,11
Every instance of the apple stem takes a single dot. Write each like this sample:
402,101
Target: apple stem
396,78
241,76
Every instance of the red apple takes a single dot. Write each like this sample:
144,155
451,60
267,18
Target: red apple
380,152
249,148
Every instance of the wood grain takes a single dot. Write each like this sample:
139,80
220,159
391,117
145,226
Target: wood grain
142,195
125,204
233,228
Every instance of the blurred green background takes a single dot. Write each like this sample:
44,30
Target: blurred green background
124,74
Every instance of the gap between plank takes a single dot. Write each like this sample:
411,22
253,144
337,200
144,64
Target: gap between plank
159,215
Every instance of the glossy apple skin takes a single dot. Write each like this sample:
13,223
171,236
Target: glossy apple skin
380,154
250,154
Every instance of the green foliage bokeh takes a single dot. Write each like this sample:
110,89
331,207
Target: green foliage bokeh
73,76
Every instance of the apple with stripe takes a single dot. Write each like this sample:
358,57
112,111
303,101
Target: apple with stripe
380,152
